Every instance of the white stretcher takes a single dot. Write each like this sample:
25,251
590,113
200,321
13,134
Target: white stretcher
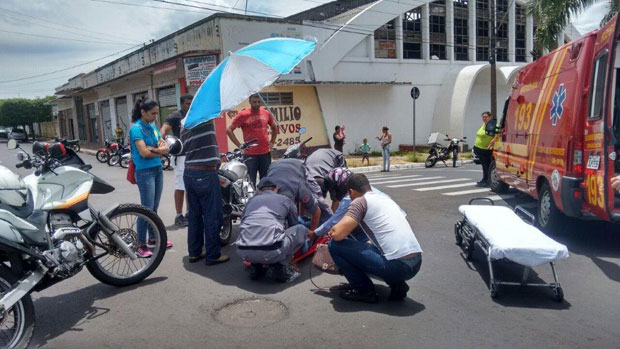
502,234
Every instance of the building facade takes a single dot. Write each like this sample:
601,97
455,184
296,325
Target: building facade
369,55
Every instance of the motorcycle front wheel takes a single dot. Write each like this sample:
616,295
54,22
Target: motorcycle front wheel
16,323
455,156
102,156
125,162
226,231
431,160
165,162
116,268
76,148
114,160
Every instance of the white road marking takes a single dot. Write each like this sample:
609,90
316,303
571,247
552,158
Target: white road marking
406,180
448,186
465,192
502,197
427,183
390,178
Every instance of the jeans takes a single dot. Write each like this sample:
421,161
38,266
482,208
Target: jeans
205,215
358,259
485,156
150,182
257,163
386,157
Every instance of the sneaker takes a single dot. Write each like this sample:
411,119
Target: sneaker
222,259
398,291
152,243
194,259
282,273
357,296
143,252
180,221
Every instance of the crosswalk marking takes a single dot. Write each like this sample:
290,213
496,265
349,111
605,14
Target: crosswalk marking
393,178
448,186
406,180
502,197
465,192
427,183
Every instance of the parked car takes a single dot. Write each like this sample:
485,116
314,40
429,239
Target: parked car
19,135
4,135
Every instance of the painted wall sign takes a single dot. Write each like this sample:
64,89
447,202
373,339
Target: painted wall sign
198,68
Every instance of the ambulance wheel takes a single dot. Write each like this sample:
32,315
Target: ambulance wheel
548,216
495,183
469,250
558,294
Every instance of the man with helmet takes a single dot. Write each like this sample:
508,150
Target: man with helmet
269,233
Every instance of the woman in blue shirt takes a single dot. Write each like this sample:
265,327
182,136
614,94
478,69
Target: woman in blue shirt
146,148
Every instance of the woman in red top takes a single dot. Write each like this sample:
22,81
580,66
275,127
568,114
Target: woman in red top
255,123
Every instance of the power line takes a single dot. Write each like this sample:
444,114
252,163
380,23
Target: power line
72,67
142,5
58,38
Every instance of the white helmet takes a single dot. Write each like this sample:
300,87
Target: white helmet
10,185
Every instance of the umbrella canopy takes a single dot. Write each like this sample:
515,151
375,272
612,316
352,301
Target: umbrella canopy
243,73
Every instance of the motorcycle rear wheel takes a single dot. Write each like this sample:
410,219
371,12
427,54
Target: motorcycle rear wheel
116,268
165,162
125,162
20,317
431,160
76,148
226,231
102,156
114,160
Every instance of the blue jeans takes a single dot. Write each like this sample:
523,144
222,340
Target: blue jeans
150,182
386,157
205,215
358,259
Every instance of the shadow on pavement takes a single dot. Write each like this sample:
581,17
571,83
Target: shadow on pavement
66,312
406,307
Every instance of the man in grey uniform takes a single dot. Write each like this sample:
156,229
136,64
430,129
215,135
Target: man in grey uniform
291,178
264,238
319,163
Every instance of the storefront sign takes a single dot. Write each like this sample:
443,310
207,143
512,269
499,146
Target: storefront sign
198,68
170,66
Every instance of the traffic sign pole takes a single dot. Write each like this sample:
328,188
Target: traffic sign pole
415,94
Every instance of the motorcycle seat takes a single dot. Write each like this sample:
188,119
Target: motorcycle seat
228,174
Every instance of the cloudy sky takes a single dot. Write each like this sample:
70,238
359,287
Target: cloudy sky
47,36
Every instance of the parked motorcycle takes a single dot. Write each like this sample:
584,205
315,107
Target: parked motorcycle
236,186
115,157
440,153
49,232
103,154
74,144
165,161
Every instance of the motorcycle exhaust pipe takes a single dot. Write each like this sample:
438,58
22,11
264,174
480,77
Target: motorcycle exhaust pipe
22,288
110,228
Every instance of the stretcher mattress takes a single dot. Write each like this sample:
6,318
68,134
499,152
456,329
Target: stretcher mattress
511,238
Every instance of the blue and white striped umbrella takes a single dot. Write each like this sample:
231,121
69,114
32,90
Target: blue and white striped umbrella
243,73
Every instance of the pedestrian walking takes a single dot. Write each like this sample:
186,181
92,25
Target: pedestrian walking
339,137
394,254
173,123
386,140
204,198
255,123
483,146
147,146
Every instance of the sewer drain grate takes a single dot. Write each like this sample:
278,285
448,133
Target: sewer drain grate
250,313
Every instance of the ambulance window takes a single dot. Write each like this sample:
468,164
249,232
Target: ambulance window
598,87
502,122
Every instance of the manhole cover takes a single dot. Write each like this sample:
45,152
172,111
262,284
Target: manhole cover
251,313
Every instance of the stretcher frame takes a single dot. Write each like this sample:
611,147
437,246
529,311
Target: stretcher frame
468,236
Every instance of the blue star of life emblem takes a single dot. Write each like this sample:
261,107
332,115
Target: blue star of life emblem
558,101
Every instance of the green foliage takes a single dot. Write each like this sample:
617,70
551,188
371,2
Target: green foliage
20,112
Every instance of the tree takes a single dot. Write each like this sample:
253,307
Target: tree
24,112
552,16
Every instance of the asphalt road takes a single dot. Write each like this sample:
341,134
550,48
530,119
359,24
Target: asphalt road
448,305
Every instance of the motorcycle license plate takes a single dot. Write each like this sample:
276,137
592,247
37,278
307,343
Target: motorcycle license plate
594,162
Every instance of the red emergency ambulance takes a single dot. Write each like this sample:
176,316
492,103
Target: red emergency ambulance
560,129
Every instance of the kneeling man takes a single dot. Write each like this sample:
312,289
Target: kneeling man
394,255
264,237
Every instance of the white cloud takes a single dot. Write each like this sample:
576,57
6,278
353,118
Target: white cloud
591,17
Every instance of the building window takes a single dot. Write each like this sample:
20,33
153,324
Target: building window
461,30
385,40
482,53
278,98
438,51
460,3
412,34
482,5
502,31
437,23
482,29
502,54
461,53
520,25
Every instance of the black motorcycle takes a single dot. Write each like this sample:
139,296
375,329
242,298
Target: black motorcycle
116,157
440,153
73,144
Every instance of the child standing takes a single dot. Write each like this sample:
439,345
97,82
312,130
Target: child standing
365,148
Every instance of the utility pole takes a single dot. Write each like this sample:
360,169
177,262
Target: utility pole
246,7
493,56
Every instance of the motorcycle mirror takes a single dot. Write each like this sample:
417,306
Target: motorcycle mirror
12,144
464,137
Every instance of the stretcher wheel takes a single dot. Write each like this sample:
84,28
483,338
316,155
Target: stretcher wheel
558,294
457,233
469,250
494,290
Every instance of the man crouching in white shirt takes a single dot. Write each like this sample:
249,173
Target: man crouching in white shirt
394,255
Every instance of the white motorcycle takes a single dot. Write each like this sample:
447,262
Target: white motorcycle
236,188
49,232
